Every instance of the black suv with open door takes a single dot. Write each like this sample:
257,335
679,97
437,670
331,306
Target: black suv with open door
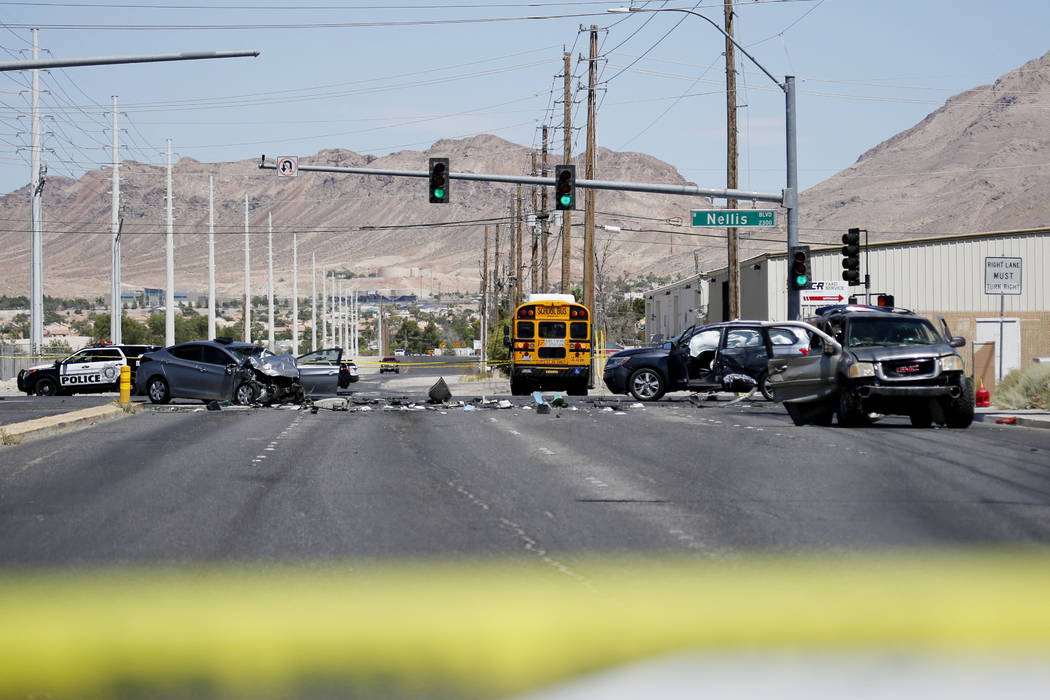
704,358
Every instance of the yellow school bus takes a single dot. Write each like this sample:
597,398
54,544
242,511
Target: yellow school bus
550,345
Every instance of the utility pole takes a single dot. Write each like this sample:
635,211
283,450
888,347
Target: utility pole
588,197
169,249
269,284
518,269
313,301
534,253
115,316
484,298
324,306
295,293
512,280
566,220
36,225
495,281
211,257
545,227
379,326
731,163
246,319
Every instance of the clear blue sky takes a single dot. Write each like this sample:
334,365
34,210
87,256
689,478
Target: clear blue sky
377,77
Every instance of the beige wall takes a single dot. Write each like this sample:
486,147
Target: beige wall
1035,332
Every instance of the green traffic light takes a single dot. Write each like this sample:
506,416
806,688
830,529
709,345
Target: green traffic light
439,193
566,200
801,280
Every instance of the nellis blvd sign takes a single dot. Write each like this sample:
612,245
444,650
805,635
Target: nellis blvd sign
735,218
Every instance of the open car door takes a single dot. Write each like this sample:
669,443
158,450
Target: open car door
319,371
806,377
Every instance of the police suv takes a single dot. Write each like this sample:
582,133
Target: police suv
94,369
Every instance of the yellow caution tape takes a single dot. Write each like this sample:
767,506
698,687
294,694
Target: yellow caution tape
487,629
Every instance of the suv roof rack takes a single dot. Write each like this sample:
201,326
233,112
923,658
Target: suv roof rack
225,340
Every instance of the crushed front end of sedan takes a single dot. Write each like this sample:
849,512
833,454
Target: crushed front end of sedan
275,379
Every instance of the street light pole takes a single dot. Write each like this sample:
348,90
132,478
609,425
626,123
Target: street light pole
789,199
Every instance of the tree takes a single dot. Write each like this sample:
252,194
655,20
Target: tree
131,331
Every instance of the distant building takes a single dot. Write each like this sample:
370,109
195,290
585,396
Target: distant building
153,297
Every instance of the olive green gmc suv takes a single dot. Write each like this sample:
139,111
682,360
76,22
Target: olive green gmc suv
866,361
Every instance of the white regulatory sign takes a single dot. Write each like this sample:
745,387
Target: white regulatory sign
287,166
1002,275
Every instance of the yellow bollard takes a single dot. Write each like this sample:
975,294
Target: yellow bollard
125,384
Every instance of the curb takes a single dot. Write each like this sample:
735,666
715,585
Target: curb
17,433
1018,419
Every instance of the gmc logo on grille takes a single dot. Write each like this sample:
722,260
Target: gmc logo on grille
908,369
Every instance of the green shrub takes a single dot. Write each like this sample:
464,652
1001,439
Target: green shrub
1025,388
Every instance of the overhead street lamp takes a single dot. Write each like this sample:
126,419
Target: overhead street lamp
790,193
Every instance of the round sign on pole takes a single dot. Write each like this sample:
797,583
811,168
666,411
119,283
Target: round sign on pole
287,166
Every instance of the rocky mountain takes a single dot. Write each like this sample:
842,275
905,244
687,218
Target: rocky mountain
978,163
380,228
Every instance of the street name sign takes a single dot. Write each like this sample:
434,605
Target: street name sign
1002,275
735,218
825,293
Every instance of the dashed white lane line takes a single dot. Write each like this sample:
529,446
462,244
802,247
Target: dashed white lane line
275,443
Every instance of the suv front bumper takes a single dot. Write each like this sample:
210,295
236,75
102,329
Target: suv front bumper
868,390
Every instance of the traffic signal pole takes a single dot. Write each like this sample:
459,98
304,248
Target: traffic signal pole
654,188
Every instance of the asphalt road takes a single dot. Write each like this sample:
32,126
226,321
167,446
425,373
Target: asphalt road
714,480
19,407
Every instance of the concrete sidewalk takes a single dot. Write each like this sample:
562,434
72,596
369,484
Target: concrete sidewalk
1027,417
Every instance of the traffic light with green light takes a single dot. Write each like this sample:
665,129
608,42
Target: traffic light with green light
799,275
564,186
851,256
438,180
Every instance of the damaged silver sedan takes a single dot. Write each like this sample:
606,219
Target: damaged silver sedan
219,370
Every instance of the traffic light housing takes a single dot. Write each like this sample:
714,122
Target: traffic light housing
884,300
438,180
564,187
799,274
851,256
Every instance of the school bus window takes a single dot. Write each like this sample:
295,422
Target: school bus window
524,329
578,330
552,329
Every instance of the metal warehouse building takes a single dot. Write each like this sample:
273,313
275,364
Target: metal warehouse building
942,276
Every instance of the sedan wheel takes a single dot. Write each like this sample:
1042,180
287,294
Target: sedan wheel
244,395
157,390
646,384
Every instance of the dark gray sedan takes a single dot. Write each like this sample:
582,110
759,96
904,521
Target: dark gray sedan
219,369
